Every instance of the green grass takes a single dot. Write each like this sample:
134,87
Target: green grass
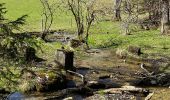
102,34
17,8
150,41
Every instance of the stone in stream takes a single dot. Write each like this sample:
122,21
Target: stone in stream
15,96
66,59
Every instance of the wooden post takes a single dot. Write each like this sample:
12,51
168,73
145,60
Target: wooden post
66,58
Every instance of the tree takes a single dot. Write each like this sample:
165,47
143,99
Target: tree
76,7
84,15
90,16
165,17
127,7
13,45
47,17
117,10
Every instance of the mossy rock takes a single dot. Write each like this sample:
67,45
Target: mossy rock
55,81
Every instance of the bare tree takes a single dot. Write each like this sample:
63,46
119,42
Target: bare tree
76,7
127,20
165,17
47,17
90,16
84,14
117,10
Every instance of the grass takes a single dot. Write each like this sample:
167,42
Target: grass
150,41
103,34
17,8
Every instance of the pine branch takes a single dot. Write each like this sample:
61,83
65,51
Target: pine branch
19,21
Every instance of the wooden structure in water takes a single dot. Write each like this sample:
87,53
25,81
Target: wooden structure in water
66,59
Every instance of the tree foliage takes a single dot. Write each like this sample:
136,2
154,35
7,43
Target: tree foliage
13,45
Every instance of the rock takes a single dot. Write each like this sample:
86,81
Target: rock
15,96
68,98
120,53
93,51
153,82
116,96
134,50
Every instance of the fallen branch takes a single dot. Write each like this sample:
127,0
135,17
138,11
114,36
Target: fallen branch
148,73
149,96
77,74
124,89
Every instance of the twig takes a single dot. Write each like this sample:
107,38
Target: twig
142,67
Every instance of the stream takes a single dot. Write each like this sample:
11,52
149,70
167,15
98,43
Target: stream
105,69
104,83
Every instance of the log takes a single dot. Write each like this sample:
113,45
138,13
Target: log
77,74
149,96
125,88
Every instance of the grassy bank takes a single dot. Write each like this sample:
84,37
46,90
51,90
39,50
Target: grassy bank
103,34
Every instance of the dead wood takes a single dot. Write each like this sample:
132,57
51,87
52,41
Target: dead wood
149,96
78,75
125,89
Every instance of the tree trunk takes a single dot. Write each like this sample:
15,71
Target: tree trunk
80,31
165,17
117,10
43,37
87,39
